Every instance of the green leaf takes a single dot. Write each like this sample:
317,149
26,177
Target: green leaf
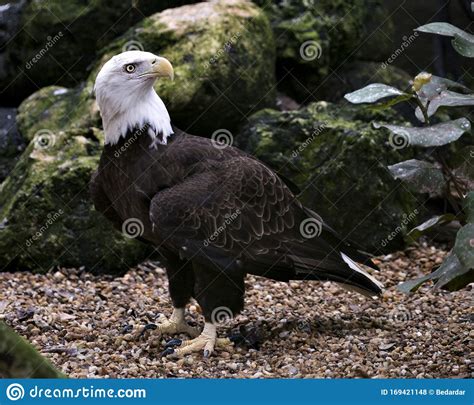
434,135
446,98
372,93
468,205
451,275
429,225
464,246
445,29
463,46
423,177
463,42
391,102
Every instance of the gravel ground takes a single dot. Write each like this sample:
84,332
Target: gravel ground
87,326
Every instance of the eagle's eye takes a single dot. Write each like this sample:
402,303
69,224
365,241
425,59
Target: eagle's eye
130,68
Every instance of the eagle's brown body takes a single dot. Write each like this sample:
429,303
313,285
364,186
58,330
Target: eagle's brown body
216,214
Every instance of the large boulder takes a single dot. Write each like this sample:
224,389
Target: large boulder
314,37
46,215
340,163
54,41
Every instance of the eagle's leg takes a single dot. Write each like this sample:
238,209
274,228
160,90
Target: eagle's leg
181,282
220,294
206,342
177,324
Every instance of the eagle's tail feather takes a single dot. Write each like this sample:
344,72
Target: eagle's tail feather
343,271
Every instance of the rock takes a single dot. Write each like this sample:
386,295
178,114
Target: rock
11,142
46,212
19,359
223,54
49,42
315,37
50,180
332,153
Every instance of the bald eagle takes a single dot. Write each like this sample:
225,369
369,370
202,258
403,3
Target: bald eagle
213,213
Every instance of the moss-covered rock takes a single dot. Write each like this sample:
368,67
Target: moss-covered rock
54,41
314,37
223,53
19,359
339,162
46,215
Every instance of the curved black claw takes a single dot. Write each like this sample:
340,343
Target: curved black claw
207,354
149,326
173,343
167,352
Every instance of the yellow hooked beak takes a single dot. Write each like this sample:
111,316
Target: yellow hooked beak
161,67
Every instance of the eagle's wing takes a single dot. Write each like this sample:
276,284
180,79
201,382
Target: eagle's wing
237,205
238,210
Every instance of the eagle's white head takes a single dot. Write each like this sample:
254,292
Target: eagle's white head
126,98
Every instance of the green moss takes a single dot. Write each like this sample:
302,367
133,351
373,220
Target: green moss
66,35
335,30
339,162
54,108
53,173
47,215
